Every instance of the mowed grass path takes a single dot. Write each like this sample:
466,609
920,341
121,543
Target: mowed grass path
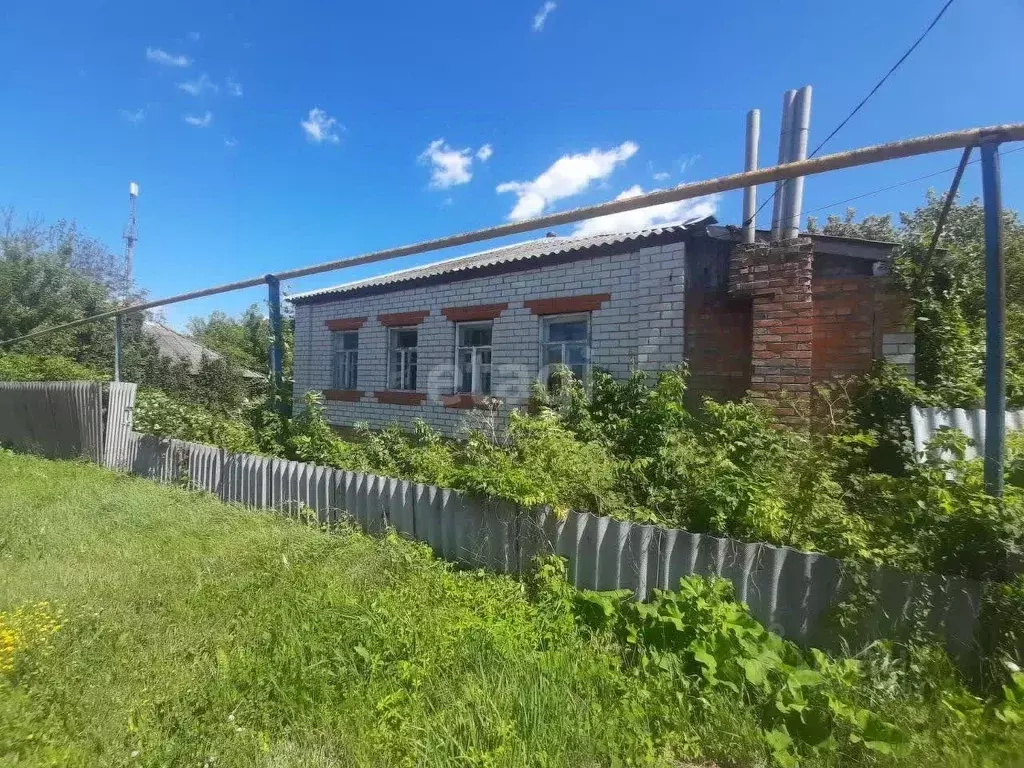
194,633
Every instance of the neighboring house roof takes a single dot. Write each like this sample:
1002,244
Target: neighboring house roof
517,252
170,343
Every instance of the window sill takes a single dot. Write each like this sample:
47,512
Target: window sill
469,401
346,395
400,397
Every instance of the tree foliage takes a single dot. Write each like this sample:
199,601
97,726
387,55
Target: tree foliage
56,274
245,340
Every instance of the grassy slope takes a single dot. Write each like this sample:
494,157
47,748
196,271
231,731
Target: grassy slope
194,630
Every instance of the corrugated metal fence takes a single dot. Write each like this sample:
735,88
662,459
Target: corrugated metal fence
61,419
789,591
927,421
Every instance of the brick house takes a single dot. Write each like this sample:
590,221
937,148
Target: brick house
437,340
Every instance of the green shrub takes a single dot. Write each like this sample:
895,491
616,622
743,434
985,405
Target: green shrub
157,413
881,407
697,649
45,368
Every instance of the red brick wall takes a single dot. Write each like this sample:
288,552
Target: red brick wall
844,326
778,280
772,320
718,345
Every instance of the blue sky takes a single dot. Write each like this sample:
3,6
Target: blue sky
424,111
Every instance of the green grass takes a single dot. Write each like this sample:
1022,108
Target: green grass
193,630
195,633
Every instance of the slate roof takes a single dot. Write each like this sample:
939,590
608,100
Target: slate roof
177,346
508,254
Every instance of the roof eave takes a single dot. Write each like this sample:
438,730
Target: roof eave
655,236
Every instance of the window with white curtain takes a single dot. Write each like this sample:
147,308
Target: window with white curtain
473,358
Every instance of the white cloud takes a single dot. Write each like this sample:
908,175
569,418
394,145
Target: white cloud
230,142
484,153
198,86
662,176
234,87
159,56
542,15
688,162
194,37
201,121
645,218
449,167
133,115
568,175
320,127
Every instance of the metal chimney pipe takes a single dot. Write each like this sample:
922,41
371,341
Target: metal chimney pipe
750,164
794,201
784,144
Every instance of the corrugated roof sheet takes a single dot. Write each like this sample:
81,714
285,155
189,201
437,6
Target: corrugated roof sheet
529,249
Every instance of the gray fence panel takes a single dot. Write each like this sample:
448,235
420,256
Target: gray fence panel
377,502
927,421
60,419
359,504
500,536
355,499
275,485
158,458
205,463
402,507
342,480
320,494
120,404
450,506
426,504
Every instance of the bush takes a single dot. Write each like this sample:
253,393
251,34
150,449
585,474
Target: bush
697,644
538,462
157,413
45,368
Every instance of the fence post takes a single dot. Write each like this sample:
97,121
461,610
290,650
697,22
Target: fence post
995,311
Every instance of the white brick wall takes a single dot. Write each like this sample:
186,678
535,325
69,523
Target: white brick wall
640,326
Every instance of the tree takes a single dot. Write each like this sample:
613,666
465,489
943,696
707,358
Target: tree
50,276
949,292
244,341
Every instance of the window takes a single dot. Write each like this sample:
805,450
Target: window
346,359
473,358
402,358
565,339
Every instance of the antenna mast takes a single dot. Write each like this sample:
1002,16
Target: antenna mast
130,238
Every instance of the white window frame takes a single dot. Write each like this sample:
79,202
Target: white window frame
476,388
545,322
350,358
404,353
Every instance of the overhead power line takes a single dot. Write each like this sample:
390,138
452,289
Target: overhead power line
865,100
885,77
899,184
